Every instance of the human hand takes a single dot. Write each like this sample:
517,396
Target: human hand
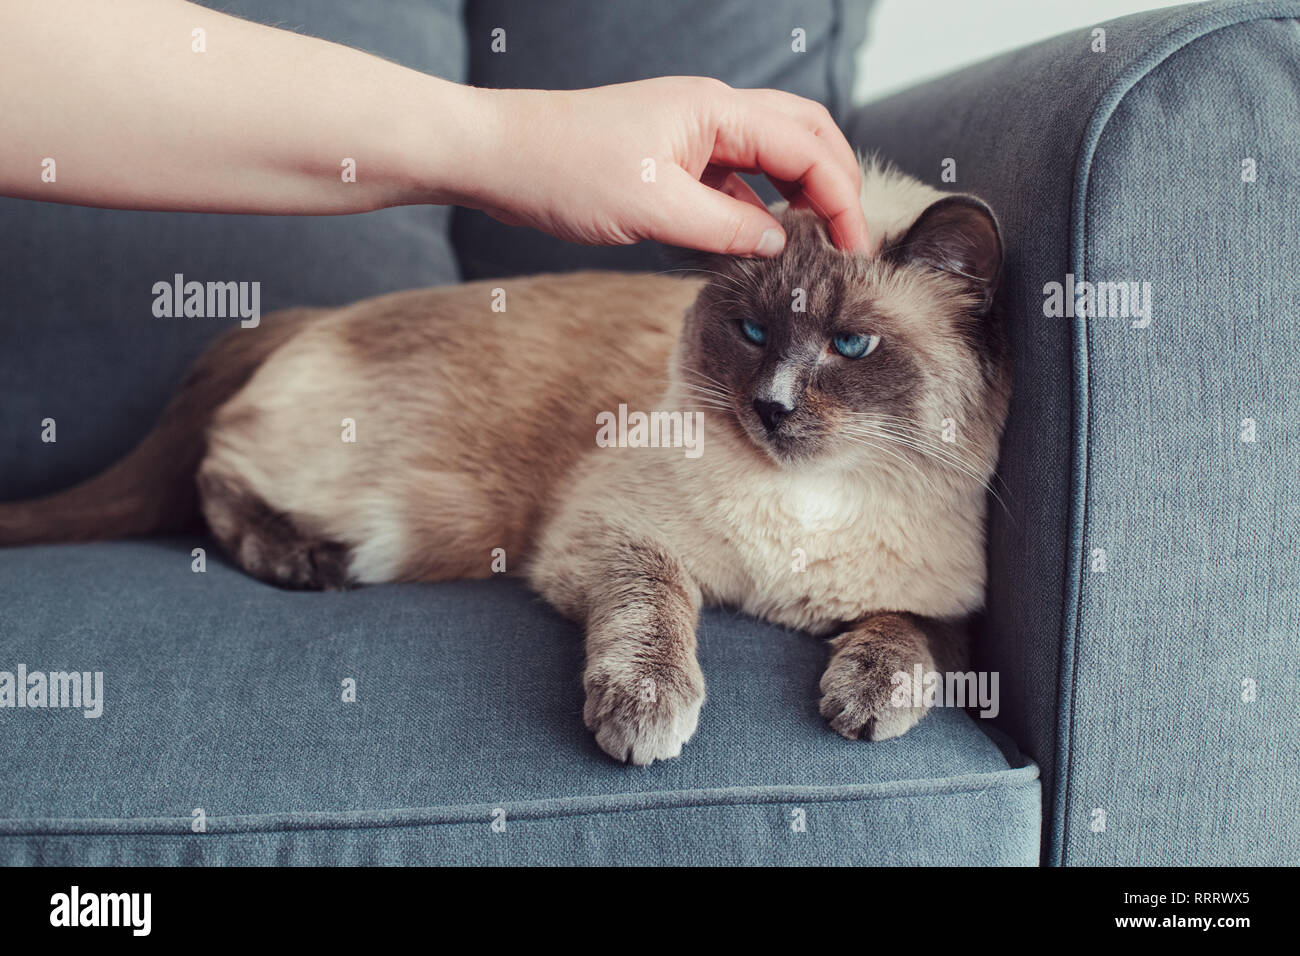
284,113
658,159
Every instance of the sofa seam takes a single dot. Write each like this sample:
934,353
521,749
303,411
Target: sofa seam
1008,781
1196,29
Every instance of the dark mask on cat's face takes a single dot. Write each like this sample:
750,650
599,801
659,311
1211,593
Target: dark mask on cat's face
818,355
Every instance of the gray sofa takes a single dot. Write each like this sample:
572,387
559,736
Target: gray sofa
1144,597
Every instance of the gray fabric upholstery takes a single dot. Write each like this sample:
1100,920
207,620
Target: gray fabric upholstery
226,695
1127,685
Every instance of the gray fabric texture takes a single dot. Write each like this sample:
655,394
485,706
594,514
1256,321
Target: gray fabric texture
225,694
1126,165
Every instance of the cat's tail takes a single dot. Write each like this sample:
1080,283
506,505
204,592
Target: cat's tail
152,489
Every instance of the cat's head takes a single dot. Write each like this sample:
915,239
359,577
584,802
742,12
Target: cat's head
818,356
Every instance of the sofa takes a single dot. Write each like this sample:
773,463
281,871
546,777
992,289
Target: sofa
1144,589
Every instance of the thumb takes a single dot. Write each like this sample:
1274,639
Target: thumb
690,214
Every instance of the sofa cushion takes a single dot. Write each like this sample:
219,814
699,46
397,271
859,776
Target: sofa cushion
224,694
78,339
575,44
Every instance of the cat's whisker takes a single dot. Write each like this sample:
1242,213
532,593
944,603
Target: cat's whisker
733,282
703,389
922,443
911,464
865,438
700,390
925,435
706,380
741,306
704,375
934,454
722,401
915,430
710,382
930,452
975,478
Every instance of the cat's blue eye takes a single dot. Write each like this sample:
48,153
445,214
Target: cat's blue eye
753,331
855,346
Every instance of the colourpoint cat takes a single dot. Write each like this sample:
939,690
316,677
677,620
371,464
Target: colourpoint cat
852,409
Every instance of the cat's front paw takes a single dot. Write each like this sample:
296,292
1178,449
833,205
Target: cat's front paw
641,716
860,695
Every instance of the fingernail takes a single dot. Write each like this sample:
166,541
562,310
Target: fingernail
770,243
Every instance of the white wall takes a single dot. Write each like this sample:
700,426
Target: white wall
914,40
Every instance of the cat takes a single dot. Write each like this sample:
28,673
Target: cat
852,408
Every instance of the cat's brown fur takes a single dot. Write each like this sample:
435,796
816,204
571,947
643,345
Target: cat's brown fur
465,423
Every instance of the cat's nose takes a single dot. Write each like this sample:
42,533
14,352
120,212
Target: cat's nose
772,414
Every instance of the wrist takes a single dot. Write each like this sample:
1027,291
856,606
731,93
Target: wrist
427,142
498,151
454,147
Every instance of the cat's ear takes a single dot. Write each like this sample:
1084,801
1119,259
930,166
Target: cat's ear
958,235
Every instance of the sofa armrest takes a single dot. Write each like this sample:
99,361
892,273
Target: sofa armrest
1144,599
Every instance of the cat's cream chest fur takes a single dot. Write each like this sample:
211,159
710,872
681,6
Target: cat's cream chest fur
808,549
